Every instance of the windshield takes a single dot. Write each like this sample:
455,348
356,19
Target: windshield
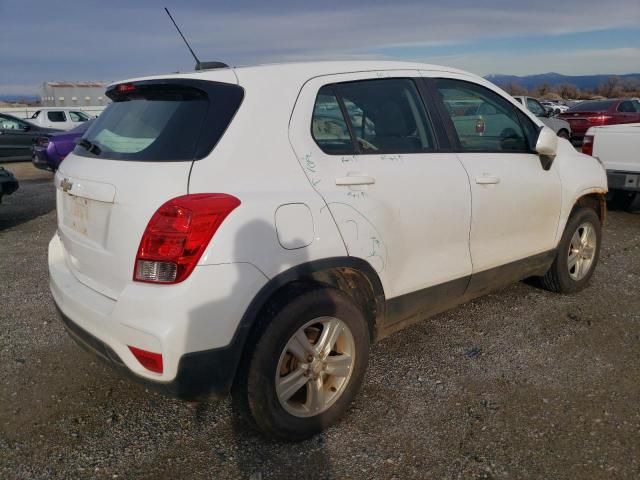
598,106
176,120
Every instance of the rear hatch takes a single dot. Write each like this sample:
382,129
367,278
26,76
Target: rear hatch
135,157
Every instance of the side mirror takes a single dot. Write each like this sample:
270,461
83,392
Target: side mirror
547,143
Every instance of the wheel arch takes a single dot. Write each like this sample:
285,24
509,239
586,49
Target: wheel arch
595,200
353,276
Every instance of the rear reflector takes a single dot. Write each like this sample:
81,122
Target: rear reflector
587,145
149,360
177,235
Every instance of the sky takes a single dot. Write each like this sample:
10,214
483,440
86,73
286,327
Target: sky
116,39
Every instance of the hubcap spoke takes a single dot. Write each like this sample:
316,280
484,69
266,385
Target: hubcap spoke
330,332
290,384
339,365
573,258
315,395
300,346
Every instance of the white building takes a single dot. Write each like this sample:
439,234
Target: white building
73,94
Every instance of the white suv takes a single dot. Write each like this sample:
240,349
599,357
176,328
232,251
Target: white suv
253,230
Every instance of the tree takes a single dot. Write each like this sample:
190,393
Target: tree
543,89
513,88
568,90
610,88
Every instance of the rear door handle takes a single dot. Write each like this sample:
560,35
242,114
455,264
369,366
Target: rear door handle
355,180
487,180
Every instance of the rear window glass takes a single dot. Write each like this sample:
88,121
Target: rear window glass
172,120
598,106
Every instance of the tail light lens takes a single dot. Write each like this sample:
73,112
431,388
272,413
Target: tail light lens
587,145
178,234
600,119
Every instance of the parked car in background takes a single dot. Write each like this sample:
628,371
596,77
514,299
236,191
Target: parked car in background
262,254
591,113
8,183
50,150
17,136
617,147
554,107
561,127
60,118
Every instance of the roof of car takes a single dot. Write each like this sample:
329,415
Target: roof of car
306,69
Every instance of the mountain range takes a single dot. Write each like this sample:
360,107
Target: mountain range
583,82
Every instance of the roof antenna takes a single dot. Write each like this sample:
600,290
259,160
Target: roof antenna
199,65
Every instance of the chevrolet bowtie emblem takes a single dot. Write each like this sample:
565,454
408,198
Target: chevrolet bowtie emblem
66,185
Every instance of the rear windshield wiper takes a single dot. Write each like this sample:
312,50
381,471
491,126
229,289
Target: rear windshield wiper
89,146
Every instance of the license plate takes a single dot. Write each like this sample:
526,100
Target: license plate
77,214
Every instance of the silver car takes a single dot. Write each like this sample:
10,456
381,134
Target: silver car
561,127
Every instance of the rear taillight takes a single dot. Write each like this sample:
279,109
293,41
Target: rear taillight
587,145
600,119
149,360
178,234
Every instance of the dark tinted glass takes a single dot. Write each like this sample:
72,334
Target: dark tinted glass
328,126
162,121
597,106
387,116
56,117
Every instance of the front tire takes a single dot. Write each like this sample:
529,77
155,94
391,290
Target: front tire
307,366
578,253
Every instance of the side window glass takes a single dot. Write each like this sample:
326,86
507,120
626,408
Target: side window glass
77,117
483,120
387,116
535,108
10,124
636,106
56,116
626,107
328,126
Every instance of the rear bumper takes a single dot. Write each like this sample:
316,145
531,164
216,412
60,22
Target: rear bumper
619,180
192,324
200,374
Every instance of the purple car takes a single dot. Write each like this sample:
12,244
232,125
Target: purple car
48,151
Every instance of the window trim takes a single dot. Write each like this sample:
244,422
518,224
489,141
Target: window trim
450,127
431,126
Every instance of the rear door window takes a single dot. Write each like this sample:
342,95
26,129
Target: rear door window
328,126
56,116
173,120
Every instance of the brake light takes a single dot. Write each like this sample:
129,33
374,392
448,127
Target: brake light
178,234
149,360
587,145
600,119
126,87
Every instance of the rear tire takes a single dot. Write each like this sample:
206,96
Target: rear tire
577,255
294,388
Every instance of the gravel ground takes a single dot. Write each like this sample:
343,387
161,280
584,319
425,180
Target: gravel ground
519,384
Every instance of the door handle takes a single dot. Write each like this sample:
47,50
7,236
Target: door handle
487,180
355,180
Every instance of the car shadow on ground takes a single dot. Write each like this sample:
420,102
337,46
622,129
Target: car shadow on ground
31,200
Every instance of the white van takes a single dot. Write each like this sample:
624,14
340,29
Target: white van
60,118
253,230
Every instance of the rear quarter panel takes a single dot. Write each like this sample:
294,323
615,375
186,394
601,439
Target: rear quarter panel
255,162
